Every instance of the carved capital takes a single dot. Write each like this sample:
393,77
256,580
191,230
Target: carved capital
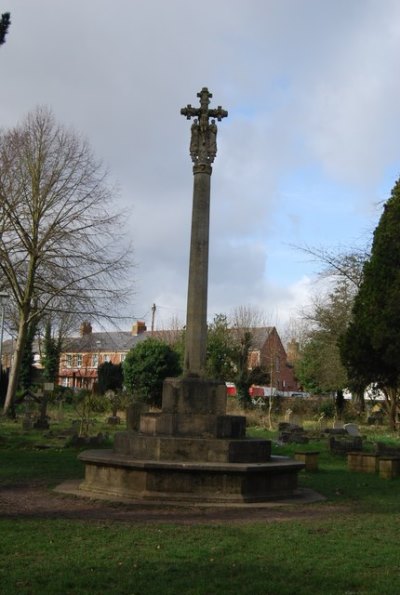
202,168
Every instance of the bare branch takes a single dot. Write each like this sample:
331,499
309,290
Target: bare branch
61,245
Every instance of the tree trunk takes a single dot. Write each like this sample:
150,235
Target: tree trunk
16,363
270,427
359,401
339,403
393,401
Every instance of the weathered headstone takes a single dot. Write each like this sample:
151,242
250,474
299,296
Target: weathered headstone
42,422
352,429
27,421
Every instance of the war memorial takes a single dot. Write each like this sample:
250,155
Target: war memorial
191,452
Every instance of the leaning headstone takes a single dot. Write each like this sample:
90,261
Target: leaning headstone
342,446
351,429
292,434
27,421
114,418
60,411
42,422
297,420
288,415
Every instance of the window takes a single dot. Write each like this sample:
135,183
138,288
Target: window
95,360
106,357
123,356
69,360
79,360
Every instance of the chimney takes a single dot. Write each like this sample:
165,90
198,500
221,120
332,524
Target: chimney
293,351
85,328
138,328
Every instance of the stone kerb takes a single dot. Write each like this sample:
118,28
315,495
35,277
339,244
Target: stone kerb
362,462
389,467
309,458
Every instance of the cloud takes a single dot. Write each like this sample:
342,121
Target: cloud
312,93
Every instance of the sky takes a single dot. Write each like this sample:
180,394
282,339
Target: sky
306,157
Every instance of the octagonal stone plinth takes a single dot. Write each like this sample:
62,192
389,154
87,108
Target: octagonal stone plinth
107,473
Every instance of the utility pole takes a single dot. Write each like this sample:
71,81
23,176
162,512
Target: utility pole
153,315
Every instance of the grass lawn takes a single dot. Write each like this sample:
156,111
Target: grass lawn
348,551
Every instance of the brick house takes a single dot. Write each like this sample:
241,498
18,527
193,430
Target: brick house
267,351
82,355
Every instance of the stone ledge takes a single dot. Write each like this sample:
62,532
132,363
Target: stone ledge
275,463
193,425
185,449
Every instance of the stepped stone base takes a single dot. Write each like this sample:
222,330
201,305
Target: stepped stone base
210,450
186,424
190,452
118,475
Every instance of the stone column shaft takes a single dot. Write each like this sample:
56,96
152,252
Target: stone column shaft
203,149
196,322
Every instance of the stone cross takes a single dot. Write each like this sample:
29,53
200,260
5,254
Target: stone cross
203,149
203,143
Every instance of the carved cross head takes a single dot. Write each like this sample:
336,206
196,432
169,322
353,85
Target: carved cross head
203,142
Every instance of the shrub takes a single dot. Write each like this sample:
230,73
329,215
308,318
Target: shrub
147,366
328,409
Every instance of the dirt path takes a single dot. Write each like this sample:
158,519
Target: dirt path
37,501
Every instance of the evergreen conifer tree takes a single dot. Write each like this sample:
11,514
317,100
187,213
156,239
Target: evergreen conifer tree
370,348
51,359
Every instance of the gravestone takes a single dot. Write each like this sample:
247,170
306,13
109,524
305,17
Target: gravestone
352,429
27,420
42,422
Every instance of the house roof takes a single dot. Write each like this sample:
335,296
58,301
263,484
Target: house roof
118,341
123,341
260,335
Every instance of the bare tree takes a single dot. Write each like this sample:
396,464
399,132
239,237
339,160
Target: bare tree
247,317
339,264
4,25
60,245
